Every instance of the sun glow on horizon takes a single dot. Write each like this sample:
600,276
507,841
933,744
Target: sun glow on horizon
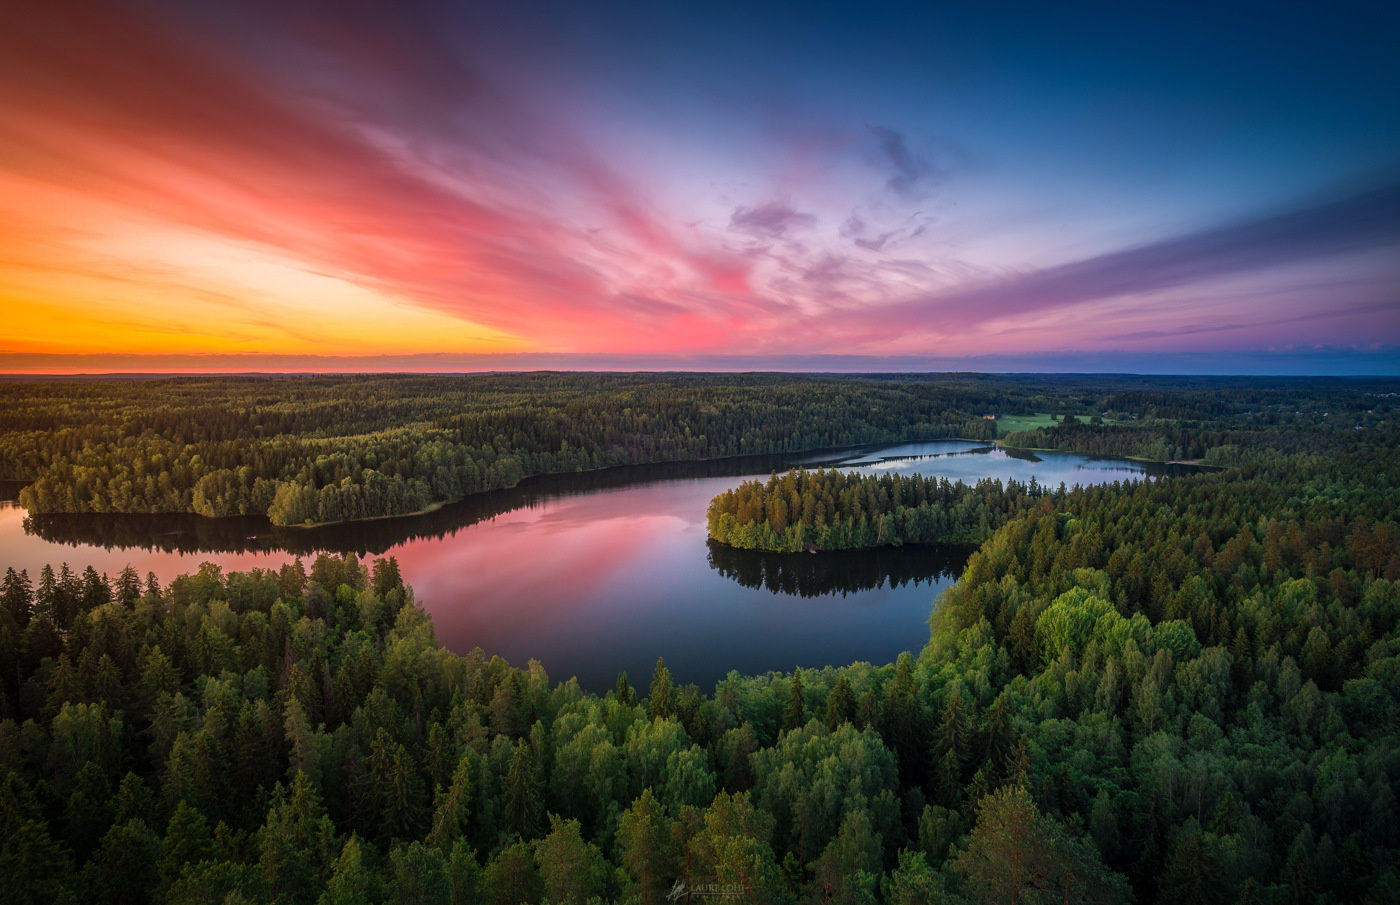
128,284
439,179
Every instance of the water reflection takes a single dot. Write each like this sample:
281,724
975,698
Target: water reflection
596,572
843,573
185,533
192,534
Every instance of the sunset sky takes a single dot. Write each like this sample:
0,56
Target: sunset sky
279,186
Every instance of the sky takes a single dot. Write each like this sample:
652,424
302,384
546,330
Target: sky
275,185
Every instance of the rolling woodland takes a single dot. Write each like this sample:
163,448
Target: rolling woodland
1178,690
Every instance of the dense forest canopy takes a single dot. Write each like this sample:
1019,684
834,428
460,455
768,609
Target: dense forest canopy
317,450
828,509
330,449
1184,690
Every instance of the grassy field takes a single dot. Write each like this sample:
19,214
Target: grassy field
1007,424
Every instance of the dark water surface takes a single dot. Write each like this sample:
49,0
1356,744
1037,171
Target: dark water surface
592,573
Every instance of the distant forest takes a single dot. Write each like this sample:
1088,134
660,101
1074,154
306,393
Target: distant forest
1184,690
315,450
319,450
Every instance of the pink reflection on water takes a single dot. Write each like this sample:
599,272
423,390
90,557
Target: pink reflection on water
535,564
32,553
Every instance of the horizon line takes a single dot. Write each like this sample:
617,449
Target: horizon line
40,377
1377,361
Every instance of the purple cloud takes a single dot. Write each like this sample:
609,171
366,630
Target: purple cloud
772,220
1362,221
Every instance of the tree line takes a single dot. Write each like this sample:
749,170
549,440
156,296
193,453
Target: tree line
1184,690
321,450
301,450
829,509
261,737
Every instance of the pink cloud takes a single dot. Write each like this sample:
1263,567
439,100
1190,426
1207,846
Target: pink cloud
376,149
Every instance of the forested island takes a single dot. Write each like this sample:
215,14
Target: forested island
828,509
302,450
1184,690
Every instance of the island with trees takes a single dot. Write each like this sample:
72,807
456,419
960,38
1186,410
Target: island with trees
303,450
829,509
308,450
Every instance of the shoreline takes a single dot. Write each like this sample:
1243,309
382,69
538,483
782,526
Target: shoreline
433,507
523,482
969,546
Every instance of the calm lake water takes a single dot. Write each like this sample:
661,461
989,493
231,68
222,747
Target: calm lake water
592,573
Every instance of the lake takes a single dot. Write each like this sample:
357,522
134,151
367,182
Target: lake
592,573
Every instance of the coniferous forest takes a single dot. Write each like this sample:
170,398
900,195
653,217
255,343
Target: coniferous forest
1177,690
829,509
319,450
387,515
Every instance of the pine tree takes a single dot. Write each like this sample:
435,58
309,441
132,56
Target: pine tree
660,697
187,842
573,871
902,727
46,602
123,869
520,798
1016,854
646,848
38,868
951,736
998,738
850,865
297,845
128,589
794,714
17,598
511,877
386,577
453,804
625,695
396,788
95,590
840,703
352,881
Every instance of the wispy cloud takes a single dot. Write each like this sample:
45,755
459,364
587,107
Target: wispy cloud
1356,222
912,174
771,220
257,170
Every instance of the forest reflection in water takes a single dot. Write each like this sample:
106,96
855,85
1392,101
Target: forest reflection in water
844,572
596,572
193,534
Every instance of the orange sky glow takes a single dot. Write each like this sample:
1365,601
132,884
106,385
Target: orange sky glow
184,185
